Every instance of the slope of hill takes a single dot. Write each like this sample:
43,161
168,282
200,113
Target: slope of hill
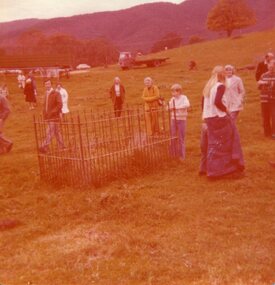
171,227
139,27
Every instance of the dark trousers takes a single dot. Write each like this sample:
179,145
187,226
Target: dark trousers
266,116
272,115
118,107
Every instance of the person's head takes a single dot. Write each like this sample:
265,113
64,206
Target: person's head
271,66
117,80
58,86
269,56
229,70
48,84
176,90
148,82
217,75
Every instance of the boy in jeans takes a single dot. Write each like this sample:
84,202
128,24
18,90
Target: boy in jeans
178,106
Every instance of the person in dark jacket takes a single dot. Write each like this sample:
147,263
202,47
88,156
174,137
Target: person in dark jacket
52,112
5,144
267,87
30,91
117,95
263,66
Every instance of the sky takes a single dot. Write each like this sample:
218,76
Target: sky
43,9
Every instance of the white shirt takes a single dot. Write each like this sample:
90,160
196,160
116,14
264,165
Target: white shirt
117,90
210,110
64,97
180,103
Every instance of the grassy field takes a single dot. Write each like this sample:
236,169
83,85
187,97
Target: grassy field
166,228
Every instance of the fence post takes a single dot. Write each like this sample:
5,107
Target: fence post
83,174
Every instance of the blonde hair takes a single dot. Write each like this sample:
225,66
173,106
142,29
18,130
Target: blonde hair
216,76
177,87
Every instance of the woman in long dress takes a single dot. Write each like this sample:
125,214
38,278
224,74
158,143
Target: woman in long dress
220,142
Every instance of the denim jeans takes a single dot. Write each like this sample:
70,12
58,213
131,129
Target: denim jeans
178,128
53,130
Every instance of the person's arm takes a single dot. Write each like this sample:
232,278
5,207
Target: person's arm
241,89
153,98
258,72
218,99
58,104
5,108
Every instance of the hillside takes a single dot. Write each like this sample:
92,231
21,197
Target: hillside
170,227
140,26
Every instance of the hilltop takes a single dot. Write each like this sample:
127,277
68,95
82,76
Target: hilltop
139,27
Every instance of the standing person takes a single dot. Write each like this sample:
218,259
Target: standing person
65,97
235,92
21,80
263,66
151,98
221,150
30,92
4,90
267,87
117,95
178,106
51,111
5,144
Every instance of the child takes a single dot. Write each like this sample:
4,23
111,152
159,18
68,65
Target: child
178,106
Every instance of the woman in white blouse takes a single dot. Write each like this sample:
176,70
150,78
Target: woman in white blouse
65,97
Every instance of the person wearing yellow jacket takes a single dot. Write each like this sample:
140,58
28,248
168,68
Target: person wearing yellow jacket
151,98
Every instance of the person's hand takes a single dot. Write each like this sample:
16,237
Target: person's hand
1,125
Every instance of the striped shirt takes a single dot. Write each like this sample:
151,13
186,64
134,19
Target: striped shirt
267,87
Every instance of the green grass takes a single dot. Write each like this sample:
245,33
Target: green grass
169,227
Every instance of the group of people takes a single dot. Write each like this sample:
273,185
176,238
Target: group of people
222,101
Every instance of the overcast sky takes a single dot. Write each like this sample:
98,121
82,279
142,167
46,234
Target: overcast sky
21,9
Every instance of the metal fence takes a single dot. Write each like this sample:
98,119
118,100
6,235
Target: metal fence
98,146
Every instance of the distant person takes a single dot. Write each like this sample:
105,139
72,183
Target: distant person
5,144
234,93
178,106
267,88
21,80
52,110
263,66
30,92
193,65
117,95
65,98
4,91
151,98
220,145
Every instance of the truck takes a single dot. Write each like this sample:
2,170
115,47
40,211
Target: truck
127,61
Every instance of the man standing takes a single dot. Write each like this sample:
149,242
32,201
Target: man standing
263,66
5,144
51,112
267,87
117,95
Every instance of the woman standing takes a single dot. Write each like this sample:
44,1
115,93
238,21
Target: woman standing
65,97
30,92
235,92
117,95
151,98
221,148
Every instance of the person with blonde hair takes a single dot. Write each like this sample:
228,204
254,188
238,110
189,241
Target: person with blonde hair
151,98
178,106
234,93
220,141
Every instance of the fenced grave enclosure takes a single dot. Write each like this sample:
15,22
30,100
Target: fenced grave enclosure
100,147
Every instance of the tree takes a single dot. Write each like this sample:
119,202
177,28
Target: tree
230,15
170,40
